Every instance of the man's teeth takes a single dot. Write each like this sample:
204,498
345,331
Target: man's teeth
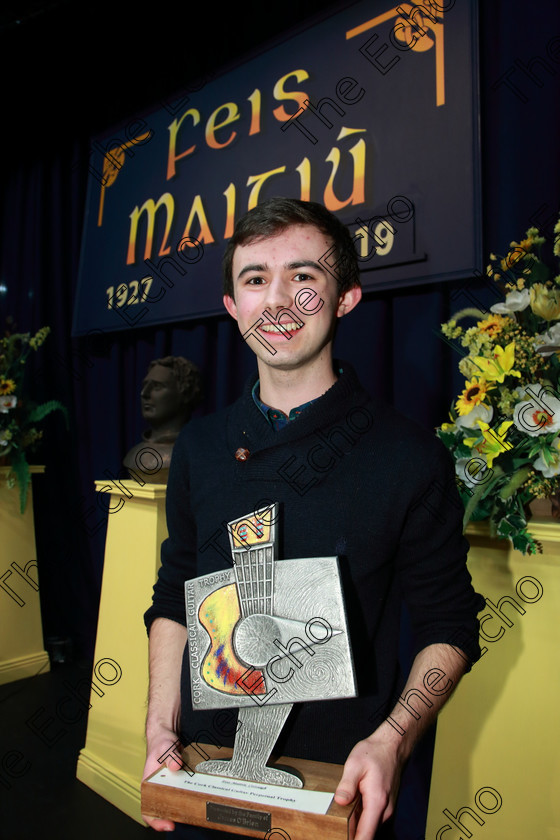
291,326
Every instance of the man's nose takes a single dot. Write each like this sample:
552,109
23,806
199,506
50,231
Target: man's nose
146,390
279,295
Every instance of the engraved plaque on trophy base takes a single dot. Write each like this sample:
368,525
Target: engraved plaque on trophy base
255,812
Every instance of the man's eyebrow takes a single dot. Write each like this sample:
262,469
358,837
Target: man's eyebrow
262,267
252,267
305,264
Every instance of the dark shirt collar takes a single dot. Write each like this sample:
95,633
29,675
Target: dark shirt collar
276,418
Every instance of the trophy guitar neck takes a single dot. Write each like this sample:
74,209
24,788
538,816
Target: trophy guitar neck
252,541
254,577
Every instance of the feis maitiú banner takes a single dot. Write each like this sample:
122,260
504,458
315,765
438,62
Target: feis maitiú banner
372,112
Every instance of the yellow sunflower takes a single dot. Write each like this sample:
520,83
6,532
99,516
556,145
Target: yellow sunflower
7,386
518,251
492,325
474,393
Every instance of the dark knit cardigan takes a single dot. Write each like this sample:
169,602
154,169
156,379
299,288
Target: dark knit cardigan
353,478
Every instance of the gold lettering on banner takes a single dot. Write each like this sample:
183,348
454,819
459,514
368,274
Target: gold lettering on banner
197,209
255,100
358,152
258,181
212,126
229,112
229,193
304,169
173,128
150,207
280,94
198,224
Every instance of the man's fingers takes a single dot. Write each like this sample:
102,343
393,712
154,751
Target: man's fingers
157,824
161,757
173,764
368,823
347,788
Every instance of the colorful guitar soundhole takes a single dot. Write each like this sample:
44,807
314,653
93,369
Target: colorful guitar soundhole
221,669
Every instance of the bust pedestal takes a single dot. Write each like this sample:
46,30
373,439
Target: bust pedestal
500,729
22,651
112,760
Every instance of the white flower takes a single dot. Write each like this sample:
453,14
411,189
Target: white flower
472,468
514,302
539,414
549,471
550,337
6,403
479,412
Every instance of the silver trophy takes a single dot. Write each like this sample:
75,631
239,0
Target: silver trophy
262,636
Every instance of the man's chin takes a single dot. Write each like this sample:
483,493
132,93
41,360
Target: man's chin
289,358
283,360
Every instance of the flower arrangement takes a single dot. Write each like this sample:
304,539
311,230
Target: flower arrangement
504,429
18,416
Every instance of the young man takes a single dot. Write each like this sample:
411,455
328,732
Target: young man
353,478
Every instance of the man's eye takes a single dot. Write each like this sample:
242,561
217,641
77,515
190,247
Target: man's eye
303,278
255,281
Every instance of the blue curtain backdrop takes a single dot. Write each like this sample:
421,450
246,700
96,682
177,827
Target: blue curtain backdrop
100,75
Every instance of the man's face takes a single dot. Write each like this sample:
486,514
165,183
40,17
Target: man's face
269,277
161,399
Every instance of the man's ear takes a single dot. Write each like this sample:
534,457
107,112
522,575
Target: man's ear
348,301
230,306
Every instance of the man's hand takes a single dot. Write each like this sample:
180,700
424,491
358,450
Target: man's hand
164,750
373,769
167,643
374,766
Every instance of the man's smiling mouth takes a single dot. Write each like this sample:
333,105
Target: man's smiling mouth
289,326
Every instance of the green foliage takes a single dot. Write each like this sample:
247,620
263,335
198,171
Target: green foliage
20,468
18,415
41,411
504,433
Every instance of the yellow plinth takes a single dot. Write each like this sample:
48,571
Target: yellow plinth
497,760
22,651
113,758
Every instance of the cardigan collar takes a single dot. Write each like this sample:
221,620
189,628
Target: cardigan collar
248,427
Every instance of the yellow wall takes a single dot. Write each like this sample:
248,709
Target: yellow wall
500,729
21,632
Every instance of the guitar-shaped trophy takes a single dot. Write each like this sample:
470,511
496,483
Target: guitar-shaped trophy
262,636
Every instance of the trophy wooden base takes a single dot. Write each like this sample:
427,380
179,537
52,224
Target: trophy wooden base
254,819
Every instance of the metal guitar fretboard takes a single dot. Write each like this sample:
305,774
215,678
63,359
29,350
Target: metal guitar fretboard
254,574
253,547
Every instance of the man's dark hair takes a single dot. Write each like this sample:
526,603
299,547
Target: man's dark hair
187,377
275,215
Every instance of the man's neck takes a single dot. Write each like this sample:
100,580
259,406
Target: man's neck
287,389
